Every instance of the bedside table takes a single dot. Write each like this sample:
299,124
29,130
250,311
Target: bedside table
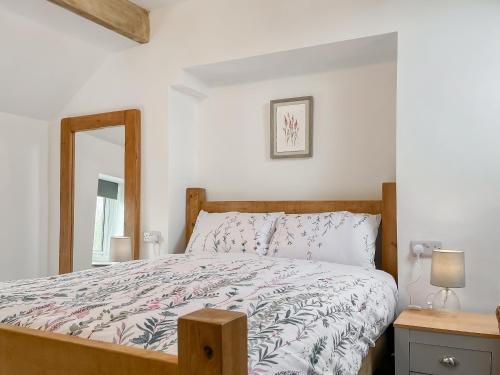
429,342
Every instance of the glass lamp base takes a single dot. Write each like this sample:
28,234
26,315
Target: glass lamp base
446,300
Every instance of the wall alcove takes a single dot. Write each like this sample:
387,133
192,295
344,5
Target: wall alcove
219,125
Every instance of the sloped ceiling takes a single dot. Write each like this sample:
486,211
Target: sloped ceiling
320,58
47,54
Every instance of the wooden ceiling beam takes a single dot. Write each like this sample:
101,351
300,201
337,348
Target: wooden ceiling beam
121,16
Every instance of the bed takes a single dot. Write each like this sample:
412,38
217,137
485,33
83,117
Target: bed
183,314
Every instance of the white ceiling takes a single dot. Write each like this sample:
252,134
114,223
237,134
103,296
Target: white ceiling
53,17
307,60
48,53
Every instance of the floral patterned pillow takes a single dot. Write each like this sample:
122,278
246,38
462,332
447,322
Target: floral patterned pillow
339,237
232,232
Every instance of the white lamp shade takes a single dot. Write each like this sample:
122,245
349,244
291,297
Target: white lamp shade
448,268
121,249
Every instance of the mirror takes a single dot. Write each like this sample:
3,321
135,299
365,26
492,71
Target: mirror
99,195
100,190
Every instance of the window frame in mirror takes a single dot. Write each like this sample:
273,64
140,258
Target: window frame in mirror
131,120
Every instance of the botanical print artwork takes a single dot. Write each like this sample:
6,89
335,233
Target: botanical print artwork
304,317
291,129
291,123
291,126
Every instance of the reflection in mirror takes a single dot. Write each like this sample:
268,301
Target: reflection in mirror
99,195
109,217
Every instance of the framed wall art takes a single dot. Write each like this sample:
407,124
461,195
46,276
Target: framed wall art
291,127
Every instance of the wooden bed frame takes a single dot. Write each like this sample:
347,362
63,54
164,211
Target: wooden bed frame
210,342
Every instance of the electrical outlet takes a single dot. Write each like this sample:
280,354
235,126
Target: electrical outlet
427,245
152,236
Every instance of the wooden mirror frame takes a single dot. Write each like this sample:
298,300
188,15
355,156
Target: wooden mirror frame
131,119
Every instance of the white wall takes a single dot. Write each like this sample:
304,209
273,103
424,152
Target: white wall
183,168
447,116
23,194
354,136
93,156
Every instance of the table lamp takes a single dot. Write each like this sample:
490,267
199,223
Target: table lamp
121,249
447,271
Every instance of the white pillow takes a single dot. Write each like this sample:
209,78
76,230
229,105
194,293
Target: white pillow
232,232
339,237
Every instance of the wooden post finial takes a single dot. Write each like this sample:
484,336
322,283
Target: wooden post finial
213,342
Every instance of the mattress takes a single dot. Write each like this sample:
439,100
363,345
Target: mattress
304,317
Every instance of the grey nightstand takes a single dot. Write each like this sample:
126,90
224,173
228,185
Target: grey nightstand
433,343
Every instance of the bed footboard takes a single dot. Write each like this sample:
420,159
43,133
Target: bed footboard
211,342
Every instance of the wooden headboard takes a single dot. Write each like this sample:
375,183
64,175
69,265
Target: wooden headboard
196,201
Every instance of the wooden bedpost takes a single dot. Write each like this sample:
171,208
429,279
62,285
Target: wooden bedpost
389,229
194,201
213,342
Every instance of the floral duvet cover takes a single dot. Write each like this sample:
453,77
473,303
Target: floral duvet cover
304,317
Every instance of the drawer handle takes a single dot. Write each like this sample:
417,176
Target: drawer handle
449,362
